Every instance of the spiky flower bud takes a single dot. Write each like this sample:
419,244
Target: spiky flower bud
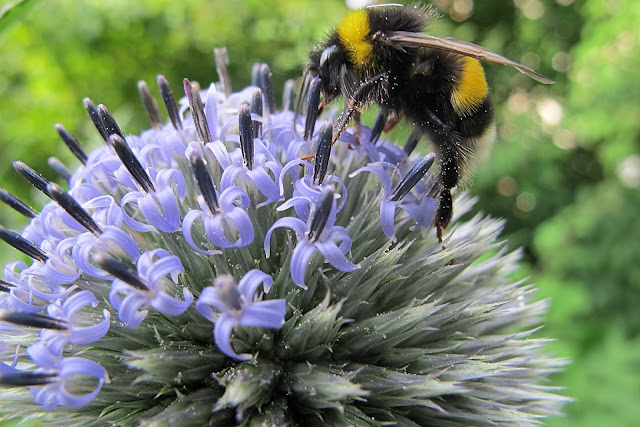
166,286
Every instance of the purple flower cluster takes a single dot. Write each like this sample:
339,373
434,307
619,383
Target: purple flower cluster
140,214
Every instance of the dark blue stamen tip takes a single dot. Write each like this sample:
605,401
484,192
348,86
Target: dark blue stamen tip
60,168
32,176
266,84
412,141
222,67
255,74
246,135
321,214
72,143
169,102
313,108
119,270
26,379
131,162
197,111
109,121
23,245
256,108
412,178
150,105
204,180
5,286
323,152
287,94
36,320
95,118
302,97
16,204
73,208
378,125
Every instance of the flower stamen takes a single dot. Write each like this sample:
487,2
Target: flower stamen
110,124
246,135
23,245
73,208
256,108
313,107
95,118
16,204
119,270
150,105
35,320
71,142
197,111
204,180
321,214
34,178
131,162
323,153
417,172
169,102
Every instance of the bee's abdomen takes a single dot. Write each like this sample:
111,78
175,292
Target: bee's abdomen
470,87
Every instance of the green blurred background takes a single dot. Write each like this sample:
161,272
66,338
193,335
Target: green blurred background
565,171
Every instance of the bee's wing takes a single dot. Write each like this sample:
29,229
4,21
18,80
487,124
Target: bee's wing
409,39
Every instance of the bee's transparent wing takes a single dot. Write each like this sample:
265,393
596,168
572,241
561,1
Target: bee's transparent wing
409,39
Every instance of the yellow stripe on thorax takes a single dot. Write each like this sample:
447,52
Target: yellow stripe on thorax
471,89
352,32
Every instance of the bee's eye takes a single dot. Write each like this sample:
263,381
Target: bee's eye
327,53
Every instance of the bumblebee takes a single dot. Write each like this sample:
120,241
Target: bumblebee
380,55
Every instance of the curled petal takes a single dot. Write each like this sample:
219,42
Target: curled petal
265,184
294,223
293,166
334,256
250,282
236,221
128,307
299,261
232,197
172,306
131,197
387,217
265,314
89,334
161,209
112,239
187,225
156,269
379,170
222,337
172,178
207,302
56,394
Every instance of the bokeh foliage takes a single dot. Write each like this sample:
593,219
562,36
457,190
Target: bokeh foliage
565,171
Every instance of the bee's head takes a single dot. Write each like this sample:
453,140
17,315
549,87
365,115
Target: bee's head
326,64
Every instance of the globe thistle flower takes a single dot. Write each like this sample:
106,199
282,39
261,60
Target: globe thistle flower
166,285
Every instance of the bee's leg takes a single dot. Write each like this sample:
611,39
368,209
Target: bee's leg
384,122
448,146
355,102
449,175
412,141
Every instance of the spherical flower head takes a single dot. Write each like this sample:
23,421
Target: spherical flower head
232,265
